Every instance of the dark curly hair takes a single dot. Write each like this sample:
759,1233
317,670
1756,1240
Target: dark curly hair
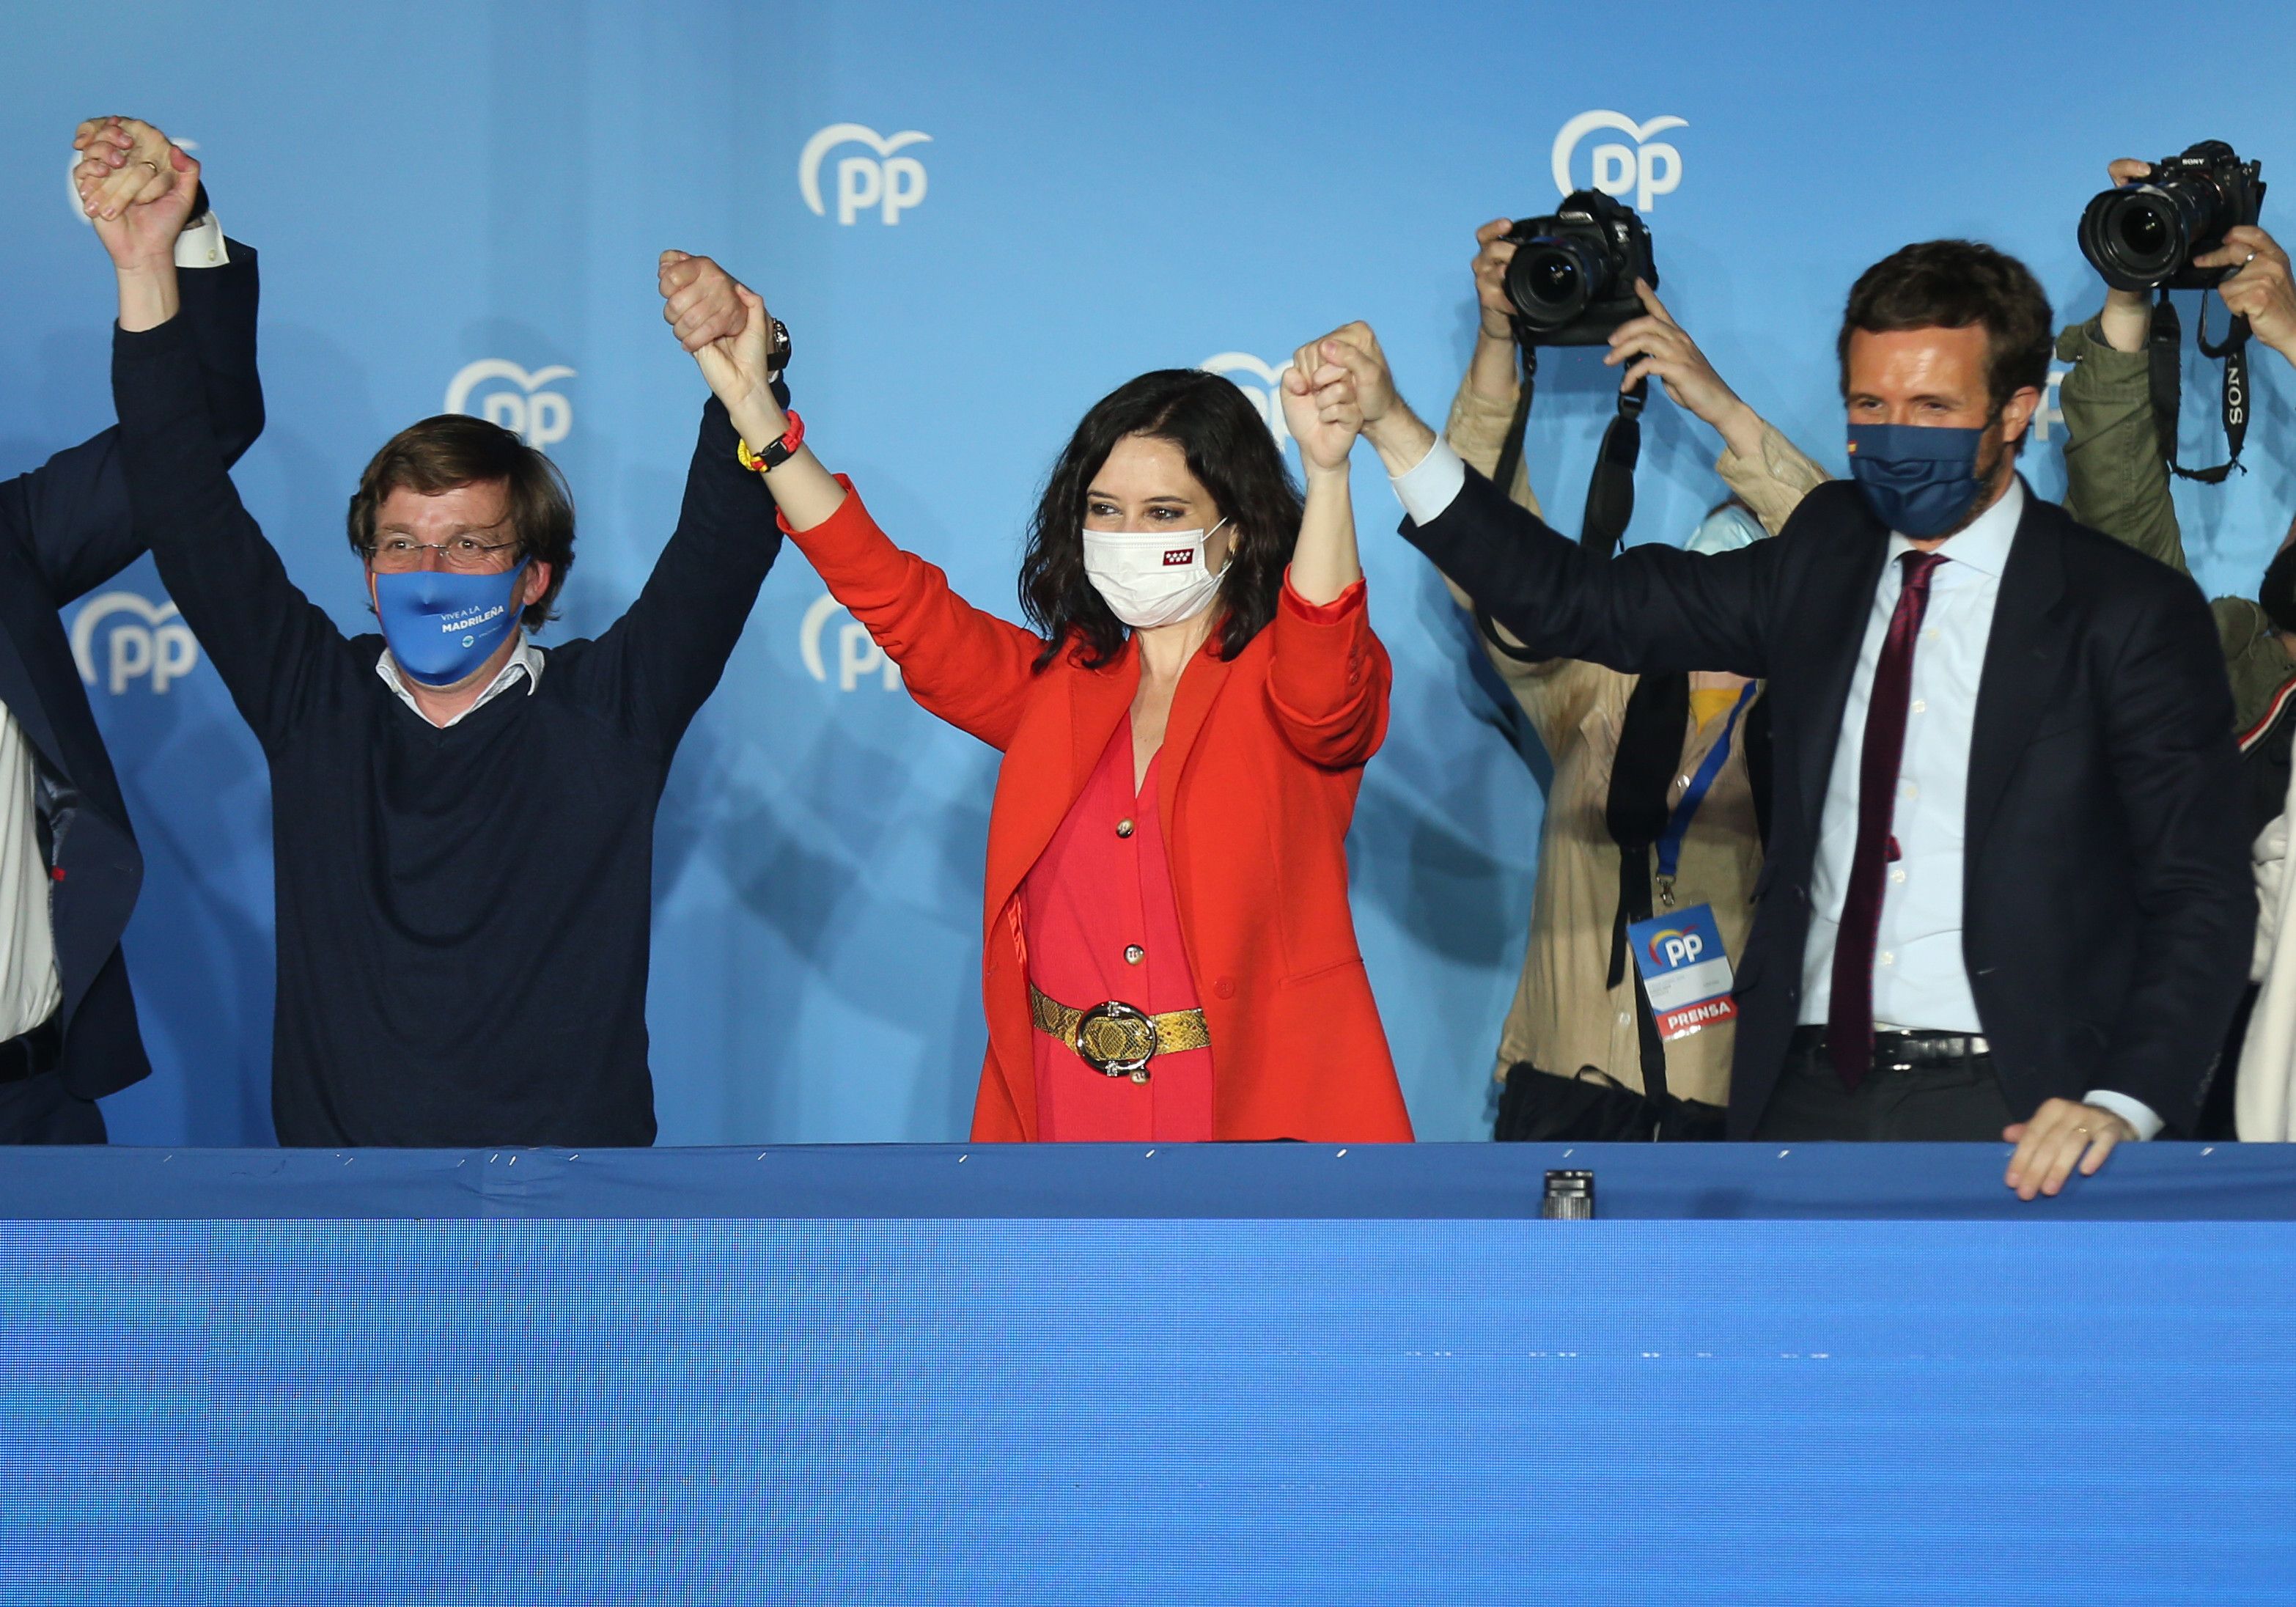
1952,284
1229,449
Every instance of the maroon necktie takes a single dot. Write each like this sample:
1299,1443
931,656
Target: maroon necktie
1849,1024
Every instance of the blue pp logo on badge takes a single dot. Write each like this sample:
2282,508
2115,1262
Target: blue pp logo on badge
1686,970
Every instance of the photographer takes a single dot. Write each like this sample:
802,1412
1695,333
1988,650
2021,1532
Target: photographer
2117,480
1580,1045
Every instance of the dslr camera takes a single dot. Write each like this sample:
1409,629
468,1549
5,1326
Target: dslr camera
1572,276
2146,235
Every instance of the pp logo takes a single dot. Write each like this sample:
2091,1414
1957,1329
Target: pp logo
541,418
72,190
858,656
890,184
1673,949
152,642
1645,170
1259,382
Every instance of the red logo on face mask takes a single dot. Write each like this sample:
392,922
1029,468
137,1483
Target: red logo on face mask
1178,558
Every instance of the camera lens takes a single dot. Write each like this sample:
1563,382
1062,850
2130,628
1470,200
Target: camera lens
1553,279
2138,235
2143,232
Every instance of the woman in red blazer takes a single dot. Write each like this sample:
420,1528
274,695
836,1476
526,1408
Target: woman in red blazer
1168,951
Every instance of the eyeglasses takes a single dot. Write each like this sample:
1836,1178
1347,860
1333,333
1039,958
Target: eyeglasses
396,555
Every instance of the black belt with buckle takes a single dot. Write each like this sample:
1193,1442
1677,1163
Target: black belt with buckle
1902,1050
32,1054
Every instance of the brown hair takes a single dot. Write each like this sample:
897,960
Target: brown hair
453,450
1952,284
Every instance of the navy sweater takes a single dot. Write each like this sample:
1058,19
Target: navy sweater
462,914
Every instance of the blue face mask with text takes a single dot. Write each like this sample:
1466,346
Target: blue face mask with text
1921,480
441,625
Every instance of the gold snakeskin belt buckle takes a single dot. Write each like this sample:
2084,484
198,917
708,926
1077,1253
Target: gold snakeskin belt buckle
1117,1039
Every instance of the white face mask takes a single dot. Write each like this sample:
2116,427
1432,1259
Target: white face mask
1151,577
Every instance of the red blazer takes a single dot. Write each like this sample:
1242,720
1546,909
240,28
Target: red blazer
1262,758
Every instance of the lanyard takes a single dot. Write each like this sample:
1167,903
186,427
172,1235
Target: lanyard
1677,824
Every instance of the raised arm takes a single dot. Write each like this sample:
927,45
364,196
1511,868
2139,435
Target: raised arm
1651,607
964,664
1768,472
2116,479
1329,678
663,658
277,652
72,514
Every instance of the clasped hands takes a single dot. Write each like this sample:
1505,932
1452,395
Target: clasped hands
723,325
137,187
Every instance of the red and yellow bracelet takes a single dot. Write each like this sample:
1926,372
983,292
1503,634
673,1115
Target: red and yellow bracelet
778,453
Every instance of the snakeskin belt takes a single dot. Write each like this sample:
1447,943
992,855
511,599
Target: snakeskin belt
1117,1039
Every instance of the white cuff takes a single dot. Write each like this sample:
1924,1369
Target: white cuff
1431,486
201,245
2135,1113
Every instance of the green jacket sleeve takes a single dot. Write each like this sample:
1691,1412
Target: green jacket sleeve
2114,479
2254,658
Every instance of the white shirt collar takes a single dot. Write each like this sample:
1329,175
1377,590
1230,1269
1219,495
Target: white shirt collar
1984,546
525,659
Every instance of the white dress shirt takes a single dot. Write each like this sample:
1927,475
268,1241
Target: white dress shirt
1920,980
30,989
525,660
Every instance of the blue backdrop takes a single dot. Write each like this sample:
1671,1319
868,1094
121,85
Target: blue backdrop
977,220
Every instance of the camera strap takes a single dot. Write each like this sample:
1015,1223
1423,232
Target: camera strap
1609,491
2165,351
1510,448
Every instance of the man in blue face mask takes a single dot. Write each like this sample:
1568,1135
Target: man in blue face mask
462,821
2006,893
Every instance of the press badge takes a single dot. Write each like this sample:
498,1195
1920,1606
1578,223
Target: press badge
1686,970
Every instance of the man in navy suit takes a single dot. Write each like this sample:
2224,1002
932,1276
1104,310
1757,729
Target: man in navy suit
2006,893
68,865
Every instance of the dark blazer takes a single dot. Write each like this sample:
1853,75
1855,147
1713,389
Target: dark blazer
2107,907
65,530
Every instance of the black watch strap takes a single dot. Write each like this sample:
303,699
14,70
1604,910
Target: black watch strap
778,358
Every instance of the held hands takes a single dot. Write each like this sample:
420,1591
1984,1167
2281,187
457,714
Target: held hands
137,187
1355,350
1320,410
1656,344
1396,432
2050,1145
700,301
725,326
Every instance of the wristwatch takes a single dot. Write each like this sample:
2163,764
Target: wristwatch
778,357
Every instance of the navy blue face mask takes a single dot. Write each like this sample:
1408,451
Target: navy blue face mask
1919,479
